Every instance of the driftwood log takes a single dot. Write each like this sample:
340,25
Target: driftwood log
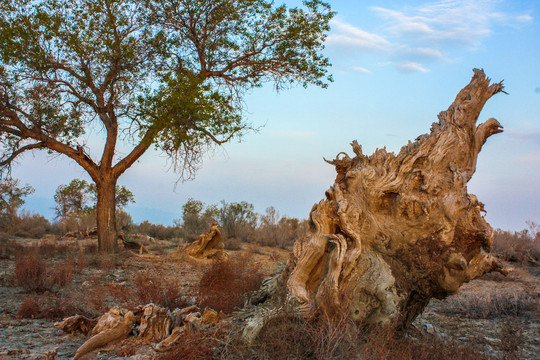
208,245
395,231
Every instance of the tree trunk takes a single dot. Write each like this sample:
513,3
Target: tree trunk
395,231
105,211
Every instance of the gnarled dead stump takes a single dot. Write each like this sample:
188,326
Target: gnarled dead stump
111,327
208,245
397,230
155,322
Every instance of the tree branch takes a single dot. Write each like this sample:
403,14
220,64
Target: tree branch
39,145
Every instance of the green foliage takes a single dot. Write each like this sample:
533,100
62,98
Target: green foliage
11,199
166,73
73,198
238,220
79,197
196,219
172,72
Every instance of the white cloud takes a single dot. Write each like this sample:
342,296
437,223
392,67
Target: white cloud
412,37
360,69
410,67
349,35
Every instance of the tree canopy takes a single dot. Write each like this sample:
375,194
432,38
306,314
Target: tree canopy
80,196
141,72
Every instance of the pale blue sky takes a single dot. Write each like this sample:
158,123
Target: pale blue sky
396,65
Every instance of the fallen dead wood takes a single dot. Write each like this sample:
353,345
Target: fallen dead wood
153,324
111,327
395,231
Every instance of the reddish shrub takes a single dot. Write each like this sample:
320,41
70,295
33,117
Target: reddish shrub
62,274
224,285
46,307
156,289
193,346
30,271
29,308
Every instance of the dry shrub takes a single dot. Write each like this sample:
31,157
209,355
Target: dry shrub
154,288
291,337
48,307
383,342
224,285
491,306
30,271
51,249
233,244
512,339
30,225
29,308
194,345
8,248
521,246
62,274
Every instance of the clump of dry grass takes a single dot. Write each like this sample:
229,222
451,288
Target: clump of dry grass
224,285
491,306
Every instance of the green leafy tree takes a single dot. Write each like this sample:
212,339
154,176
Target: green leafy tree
238,220
196,218
78,195
11,199
170,73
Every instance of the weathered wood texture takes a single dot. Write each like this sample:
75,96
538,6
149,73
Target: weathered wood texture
111,327
208,245
395,231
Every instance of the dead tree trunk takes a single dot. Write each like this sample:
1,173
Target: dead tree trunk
208,245
395,231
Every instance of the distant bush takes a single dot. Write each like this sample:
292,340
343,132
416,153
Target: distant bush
156,231
239,221
31,225
522,246
224,285
278,231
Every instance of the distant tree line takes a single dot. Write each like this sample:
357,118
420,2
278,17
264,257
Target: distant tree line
75,212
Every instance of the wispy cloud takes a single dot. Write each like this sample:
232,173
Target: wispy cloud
413,37
410,67
349,35
360,69
524,136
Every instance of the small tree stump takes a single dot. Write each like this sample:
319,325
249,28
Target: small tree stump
208,245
